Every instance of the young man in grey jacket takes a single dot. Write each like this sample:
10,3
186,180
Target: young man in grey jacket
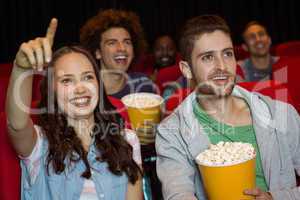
218,110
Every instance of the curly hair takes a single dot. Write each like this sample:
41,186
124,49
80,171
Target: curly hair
64,144
194,28
91,31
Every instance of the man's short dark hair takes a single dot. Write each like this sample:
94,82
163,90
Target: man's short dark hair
252,23
196,27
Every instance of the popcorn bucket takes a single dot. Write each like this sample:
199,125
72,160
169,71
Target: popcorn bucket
228,182
143,109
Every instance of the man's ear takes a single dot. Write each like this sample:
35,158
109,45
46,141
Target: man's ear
98,54
185,69
244,47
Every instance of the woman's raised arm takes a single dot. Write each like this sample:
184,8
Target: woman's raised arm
32,55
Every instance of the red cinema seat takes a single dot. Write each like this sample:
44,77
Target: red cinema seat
5,69
3,89
143,64
10,173
36,93
175,99
287,71
240,53
4,80
121,109
167,75
286,61
239,71
271,88
291,48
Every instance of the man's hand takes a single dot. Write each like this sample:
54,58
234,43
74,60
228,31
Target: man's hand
35,53
258,194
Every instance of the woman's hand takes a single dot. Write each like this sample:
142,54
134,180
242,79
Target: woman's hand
146,133
258,194
31,55
34,54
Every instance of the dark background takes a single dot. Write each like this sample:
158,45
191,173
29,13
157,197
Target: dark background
22,20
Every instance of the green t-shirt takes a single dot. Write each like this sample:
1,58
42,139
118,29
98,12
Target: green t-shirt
218,131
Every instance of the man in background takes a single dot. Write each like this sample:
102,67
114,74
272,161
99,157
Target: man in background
164,51
115,38
257,42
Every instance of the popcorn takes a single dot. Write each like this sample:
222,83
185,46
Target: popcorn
142,100
226,153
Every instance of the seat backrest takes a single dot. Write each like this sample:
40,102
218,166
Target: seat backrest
275,90
4,80
240,72
175,99
36,94
121,109
144,64
287,71
10,172
5,69
291,48
167,75
240,53
3,89
286,61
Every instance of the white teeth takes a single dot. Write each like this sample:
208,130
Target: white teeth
164,59
220,78
120,57
80,100
260,45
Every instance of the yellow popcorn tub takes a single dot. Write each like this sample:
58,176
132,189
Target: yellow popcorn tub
143,108
228,182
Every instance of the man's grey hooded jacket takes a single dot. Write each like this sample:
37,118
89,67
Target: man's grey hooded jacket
181,138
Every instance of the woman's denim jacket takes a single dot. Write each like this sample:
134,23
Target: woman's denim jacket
68,185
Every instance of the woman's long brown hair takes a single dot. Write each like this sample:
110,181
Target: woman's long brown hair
65,145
